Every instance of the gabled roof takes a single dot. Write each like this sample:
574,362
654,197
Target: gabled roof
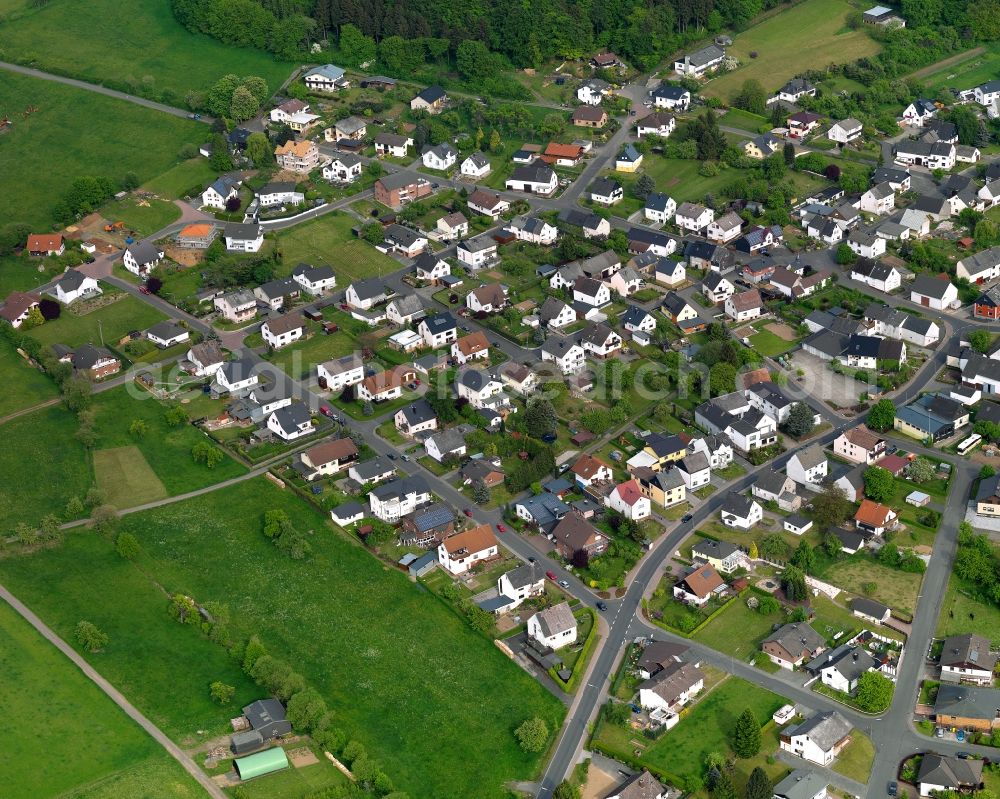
556,619
796,638
968,650
825,730
930,286
873,514
951,772
432,94
703,580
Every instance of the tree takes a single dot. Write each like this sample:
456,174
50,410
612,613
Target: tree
566,790
788,151
800,420
746,735
221,693
480,493
154,284
50,528
921,470
980,340
130,181
50,309
751,97
244,105
533,734
540,418
127,546
793,583
986,472
90,637
845,255
644,186
759,786
305,709
495,142
874,692
184,609
259,150
220,160
804,557
138,428
882,416
721,378
880,485
373,233
723,787
253,651
831,506
356,48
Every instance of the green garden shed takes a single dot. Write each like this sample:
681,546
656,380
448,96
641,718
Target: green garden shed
266,762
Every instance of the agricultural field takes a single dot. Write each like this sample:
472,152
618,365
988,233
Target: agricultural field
72,740
808,35
113,128
140,468
24,385
178,180
59,469
963,71
109,323
399,689
152,54
328,240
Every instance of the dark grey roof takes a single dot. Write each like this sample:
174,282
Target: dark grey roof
604,187
432,94
951,772
824,729
240,232
448,440
370,289
71,280
634,315
403,236
400,488
930,286
439,323
376,467
87,356
710,548
796,638
277,187
705,56
436,515
267,716
800,784
292,416
526,574
418,412
313,273
968,650
474,379
532,173
868,607
144,252
166,330
279,287
850,661
737,505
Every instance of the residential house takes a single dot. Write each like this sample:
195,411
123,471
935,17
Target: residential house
606,191
205,358
542,510
669,272
95,362
405,310
968,707
197,236
693,217
589,470
487,203
405,241
763,146
476,165
808,465
366,294
573,533
600,341
18,306
629,159
695,470
939,155
291,422
793,644
446,444
744,306
870,610
699,63
842,667
471,347
398,498
389,144
243,238
967,658
344,168
876,274
717,449
664,487
567,354
879,199
740,512
482,389
678,309
142,257
399,188
590,224
73,285
983,267
919,112
297,156
328,458
533,230
554,627
802,123
372,472
627,498
874,517
275,292
659,208
635,319
819,739
325,79
591,292
518,377
555,313
671,688
220,192
524,582
725,228
796,89
432,100
674,98
387,385
640,786
716,288
845,131
417,417
283,330
340,373
802,784
431,269
859,445
440,157
591,92
772,486
940,774
659,123
478,252
866,245
350,129
722,555
699,585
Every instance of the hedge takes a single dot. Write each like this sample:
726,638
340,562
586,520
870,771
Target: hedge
701,624
581,662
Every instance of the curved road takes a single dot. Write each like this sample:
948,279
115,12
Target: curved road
94,87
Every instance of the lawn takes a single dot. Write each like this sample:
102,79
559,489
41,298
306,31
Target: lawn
125,477
71,735
961,612
299,360
744,120
107,324
156,55
807,34
178,180
58,466
964,72
412,694
164,450
328,240
709,728
92,134
145,217
738,630
769,343
23,273
856,760
24,385
894,588
293,783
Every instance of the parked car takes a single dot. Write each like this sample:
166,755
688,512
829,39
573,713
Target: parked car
551,575
531,559
501,528
405,457
143,290
391,457
602,605
686,517
893,787
564,584
467,512
325,410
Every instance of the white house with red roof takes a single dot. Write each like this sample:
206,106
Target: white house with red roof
627,499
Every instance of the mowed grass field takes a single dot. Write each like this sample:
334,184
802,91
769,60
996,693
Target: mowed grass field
125,477
809,35
145,217
963,72
24,385
328,240
154,465
71,739
42,465
894,588
177,180
60,37
961,612
77,132
403,673
112,321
